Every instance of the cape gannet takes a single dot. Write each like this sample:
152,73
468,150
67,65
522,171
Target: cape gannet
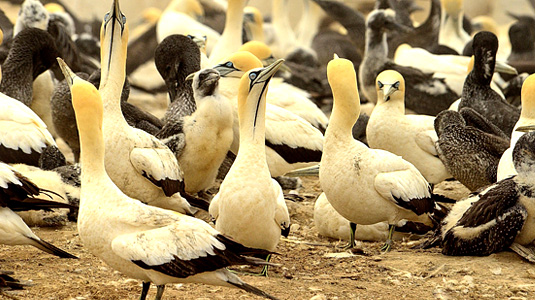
364,185
451,32
425,93
202,139
141,165
291,142
249,209
498,217
477,93
506,167
471,155
17,193
412,137
148,243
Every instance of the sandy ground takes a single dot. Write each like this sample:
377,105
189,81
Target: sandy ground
312,267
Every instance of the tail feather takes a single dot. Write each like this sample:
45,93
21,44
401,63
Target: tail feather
442,198
196,201
49,248
253,290
37,204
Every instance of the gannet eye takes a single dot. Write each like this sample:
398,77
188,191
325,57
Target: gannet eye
123,19
396,85
380,84
107,17
229,64
252,76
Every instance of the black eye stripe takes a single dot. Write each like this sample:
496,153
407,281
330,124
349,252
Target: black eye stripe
380,84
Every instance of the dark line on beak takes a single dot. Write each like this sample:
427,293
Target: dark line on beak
258,102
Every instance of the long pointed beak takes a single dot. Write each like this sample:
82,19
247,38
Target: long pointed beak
268,61
67,72
527,128
270,70
307,171
191,76
388,90
502,67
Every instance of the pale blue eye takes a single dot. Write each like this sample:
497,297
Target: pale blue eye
106,17
252,76
380,84
124,19
229,64
396,85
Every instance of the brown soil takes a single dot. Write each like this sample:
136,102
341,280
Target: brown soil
308,269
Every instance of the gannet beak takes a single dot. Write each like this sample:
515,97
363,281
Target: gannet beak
285,231
270,70
268,61
388,90
191,76
307,171
502,67
527,128
67,72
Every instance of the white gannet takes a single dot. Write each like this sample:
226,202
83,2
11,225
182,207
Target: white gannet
144,242
181,17
17,193
506,167
251,209
285,38
291,142
499,216
285,95
412,137
451,32
141,165
365,185
253,24
231,38
202,139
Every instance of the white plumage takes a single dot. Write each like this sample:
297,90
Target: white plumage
365,185
141,165
506,167
249,206
412,137
301,141
181,17
144,242
231,38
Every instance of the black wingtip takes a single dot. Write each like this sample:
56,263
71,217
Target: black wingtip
196,202
49,248
251,289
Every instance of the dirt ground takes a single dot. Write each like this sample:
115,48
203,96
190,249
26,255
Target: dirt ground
312,267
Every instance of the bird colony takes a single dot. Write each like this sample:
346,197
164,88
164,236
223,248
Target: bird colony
192,149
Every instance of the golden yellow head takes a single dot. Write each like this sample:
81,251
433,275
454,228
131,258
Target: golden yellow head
259,49
452,7
255,13
86,99
1,36
470,66
343,81
389,84
54,8
237,63
528,97
253,88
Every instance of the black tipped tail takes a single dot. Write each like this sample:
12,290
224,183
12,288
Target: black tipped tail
37,204
49,248
442,198
251,289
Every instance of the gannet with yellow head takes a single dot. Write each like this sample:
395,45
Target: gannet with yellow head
251,209
412,137
231,38
451,32
144,242
365,185
291,141
141,165
506,167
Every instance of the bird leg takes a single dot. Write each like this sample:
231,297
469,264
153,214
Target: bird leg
388,243
159,291
264,271
144,290
352,230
